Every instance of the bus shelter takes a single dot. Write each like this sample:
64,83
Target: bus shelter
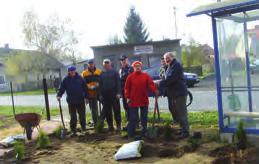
235,26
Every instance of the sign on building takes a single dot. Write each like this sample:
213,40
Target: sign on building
145,49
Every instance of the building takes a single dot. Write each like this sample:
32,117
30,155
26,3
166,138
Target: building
149,53
31,80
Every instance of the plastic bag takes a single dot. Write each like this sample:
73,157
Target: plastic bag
9,141
129,150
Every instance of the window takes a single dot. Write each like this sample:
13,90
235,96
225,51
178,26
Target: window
2,79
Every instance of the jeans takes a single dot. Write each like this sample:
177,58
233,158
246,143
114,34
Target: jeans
179,104
94,110
80,109
133,120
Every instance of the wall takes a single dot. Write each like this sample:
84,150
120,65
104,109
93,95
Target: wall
113,52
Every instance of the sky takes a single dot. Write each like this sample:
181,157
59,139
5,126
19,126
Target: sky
95,21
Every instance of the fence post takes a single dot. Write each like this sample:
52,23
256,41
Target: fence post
45,89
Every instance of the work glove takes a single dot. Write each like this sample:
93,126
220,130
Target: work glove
86,101
58,98
101,99
128,101
118,96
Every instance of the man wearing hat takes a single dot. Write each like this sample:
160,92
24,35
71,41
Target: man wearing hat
124,72
110,89
136,91
91,76
74,86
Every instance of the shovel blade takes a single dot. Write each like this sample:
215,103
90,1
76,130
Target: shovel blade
63,133
152,132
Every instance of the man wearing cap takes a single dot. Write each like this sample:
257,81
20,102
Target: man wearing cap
91,76
124,72
74,86
136,91
110,89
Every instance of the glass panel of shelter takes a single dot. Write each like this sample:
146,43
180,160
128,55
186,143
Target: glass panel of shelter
236,39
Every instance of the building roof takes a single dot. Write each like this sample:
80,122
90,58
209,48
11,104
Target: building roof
226,7
136,44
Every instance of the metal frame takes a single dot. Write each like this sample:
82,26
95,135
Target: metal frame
236,8
248,72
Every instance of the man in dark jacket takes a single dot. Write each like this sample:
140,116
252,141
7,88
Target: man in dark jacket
110,90
177,90
74,86
125,70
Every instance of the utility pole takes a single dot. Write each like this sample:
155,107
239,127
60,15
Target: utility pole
175,22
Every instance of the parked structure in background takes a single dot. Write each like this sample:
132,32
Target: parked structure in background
148,53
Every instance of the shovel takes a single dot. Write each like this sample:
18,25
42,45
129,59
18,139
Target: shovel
153,131
63,132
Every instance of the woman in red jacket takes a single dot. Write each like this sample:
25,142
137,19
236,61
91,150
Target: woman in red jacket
136,89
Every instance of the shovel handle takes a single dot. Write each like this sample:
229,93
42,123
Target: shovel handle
157,108
61,114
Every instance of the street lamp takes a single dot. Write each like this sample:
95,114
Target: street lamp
175,23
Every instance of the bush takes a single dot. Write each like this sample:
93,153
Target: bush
240,136
167,132
43,141
99,126
19,150
57,131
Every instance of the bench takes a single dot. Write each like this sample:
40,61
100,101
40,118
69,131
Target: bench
240,114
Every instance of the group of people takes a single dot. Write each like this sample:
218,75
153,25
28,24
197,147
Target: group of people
132,85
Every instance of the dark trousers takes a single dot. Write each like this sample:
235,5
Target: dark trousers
80,109
94,110
179,104
111,103
171,108
133,120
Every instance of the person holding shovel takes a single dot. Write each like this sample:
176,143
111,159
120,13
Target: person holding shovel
91,76
176,89
162,75
136,88
125,71
74,86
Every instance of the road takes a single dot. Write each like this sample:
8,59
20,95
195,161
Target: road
202,100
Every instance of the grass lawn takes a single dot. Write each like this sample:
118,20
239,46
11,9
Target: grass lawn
35,92
196,119
6,113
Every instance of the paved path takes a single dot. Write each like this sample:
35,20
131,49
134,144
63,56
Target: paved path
202,100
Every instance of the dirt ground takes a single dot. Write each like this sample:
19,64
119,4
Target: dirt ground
100,148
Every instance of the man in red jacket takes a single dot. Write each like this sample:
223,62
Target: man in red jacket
136,88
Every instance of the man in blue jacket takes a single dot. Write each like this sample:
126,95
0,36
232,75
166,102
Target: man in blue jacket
74,86
176,89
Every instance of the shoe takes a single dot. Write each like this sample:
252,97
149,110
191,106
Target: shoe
110,129
183,135
137,138
73,134
174,122
83,129
118,128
